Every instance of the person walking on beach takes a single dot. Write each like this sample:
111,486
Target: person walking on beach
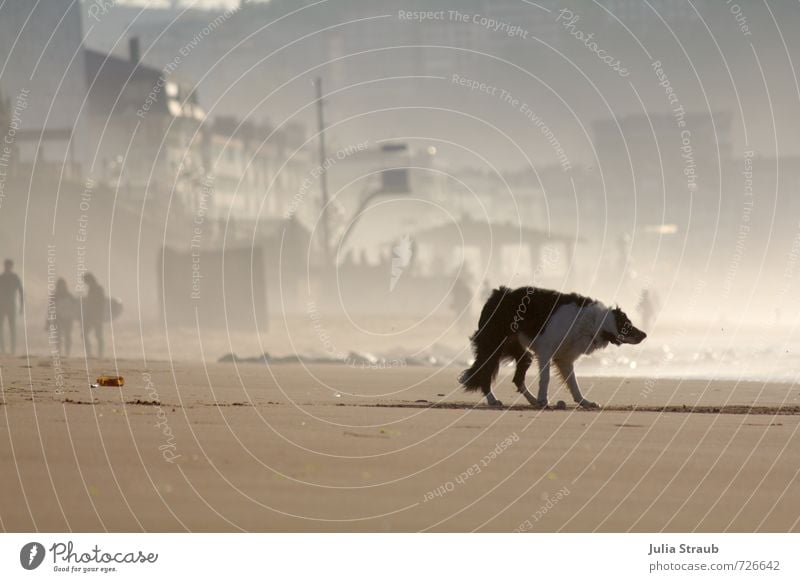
93,312
10,285
461,300
62,311
648,306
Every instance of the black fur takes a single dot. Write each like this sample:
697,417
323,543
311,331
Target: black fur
505,313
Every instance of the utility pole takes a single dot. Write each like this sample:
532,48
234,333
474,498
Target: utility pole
323,176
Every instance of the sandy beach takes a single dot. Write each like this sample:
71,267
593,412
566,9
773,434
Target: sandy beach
289,447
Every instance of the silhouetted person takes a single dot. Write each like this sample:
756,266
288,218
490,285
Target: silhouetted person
648,305
10,285
95,306
61,315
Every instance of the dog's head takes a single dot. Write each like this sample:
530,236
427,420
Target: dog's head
619,330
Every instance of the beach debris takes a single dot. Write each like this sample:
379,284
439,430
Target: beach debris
140,402
117,381
362,435
363,359
561,405
353,358
71,401
232,358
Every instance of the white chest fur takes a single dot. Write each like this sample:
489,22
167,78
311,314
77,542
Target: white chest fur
572,331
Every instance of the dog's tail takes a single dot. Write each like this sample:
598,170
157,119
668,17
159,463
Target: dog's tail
494,326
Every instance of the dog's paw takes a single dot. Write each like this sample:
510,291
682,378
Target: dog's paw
588,404
492,401
539,404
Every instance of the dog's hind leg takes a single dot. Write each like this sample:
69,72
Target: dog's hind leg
489,342
524,360
491,400
492,364
481,374
567,370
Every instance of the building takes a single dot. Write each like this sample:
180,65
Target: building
146,127
43,67
495,251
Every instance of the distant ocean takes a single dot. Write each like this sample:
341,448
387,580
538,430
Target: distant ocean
751,354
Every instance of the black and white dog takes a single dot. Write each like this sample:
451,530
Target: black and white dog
556,327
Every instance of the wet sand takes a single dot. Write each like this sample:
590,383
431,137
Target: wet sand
229,447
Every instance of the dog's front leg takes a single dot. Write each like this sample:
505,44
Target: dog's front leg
567,370
544,380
